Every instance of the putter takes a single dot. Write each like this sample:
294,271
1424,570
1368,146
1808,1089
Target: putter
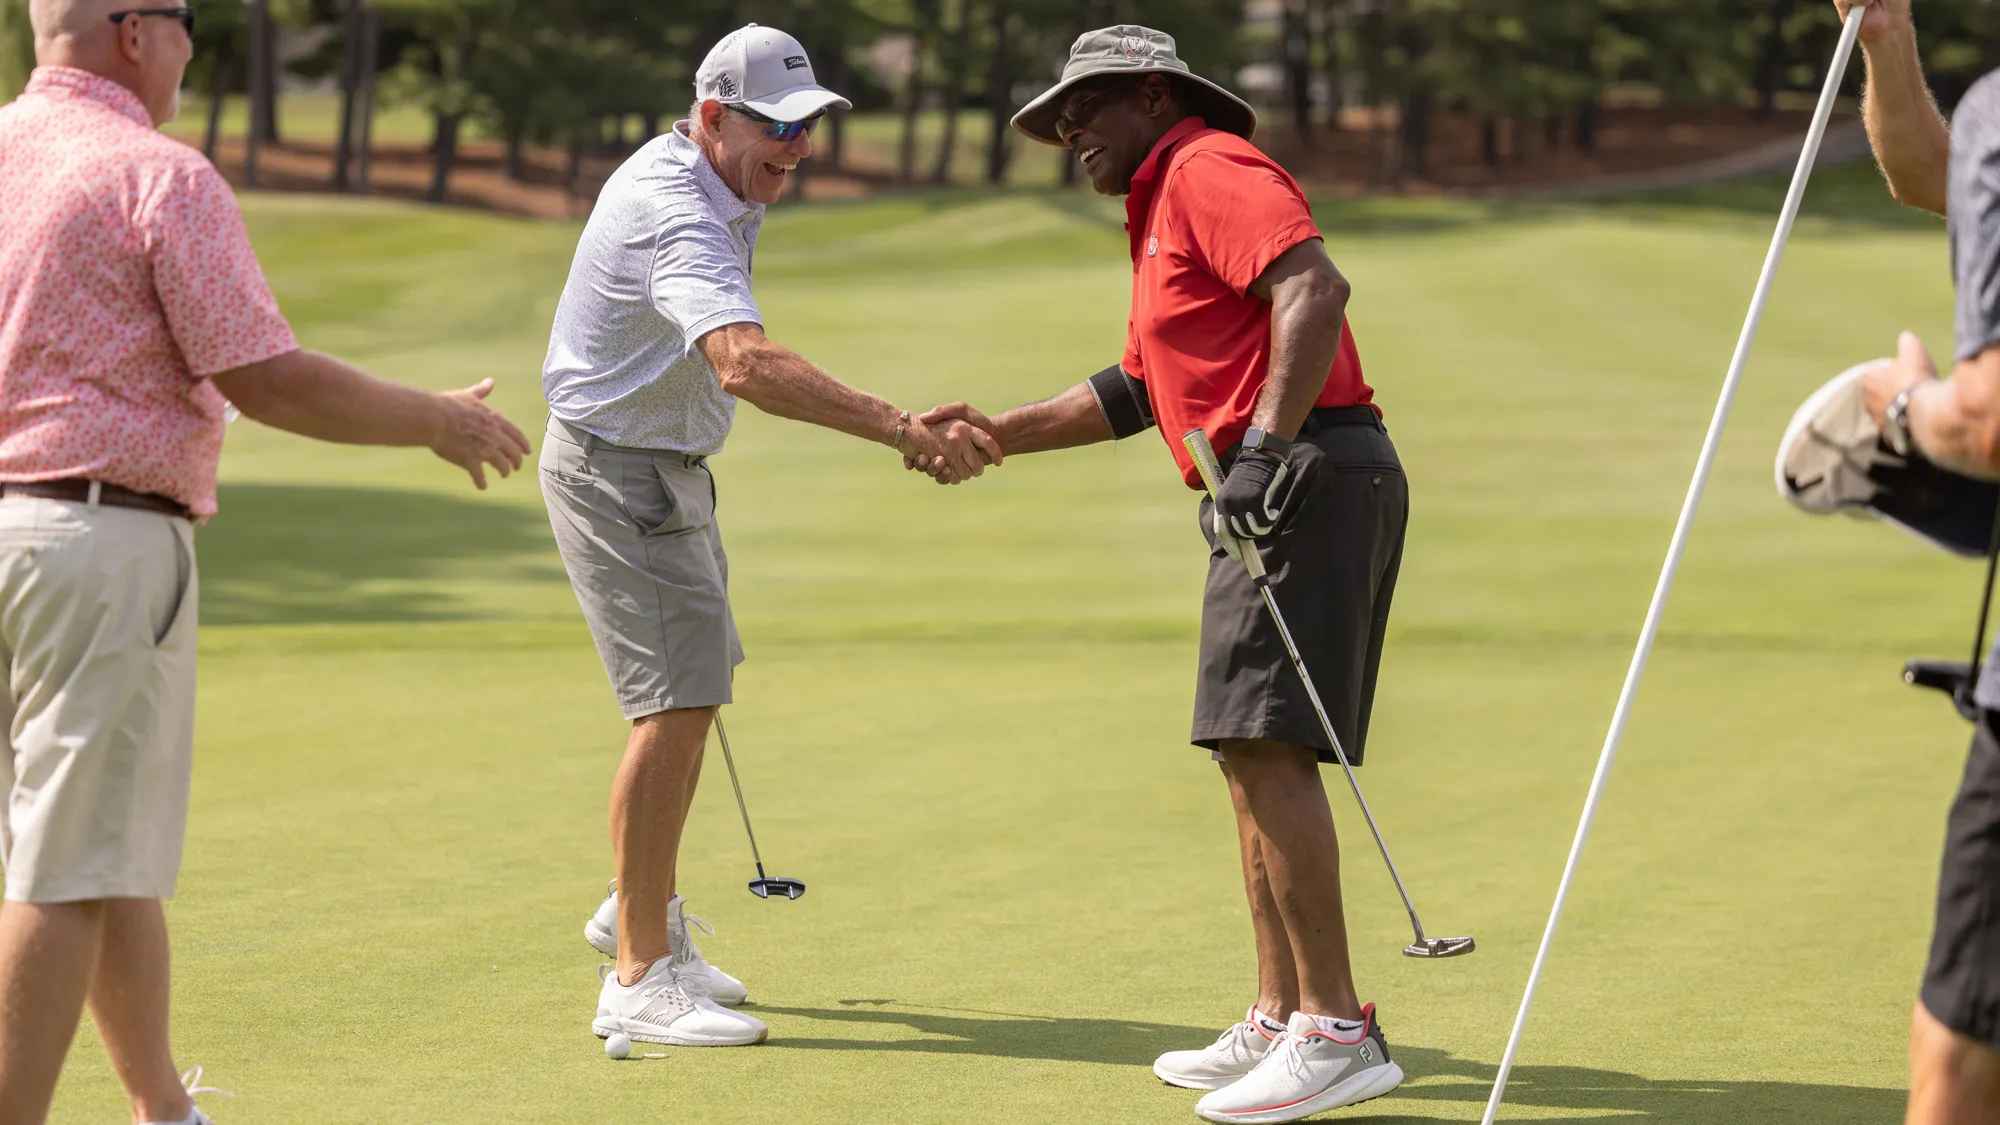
763,886
1636,673
1203,453
1960,681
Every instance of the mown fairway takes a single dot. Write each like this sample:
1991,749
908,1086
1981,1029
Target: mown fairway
963,722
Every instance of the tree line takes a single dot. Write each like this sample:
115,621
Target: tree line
575,75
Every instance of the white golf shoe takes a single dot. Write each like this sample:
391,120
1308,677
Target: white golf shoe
1318,1064
663,1008
1234,1054
602,934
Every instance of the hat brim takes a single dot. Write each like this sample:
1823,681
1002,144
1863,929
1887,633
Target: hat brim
1222,110
797,103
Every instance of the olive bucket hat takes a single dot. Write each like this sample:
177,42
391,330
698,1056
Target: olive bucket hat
1131,49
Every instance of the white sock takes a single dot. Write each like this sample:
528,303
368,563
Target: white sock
1345,1030
1258,1017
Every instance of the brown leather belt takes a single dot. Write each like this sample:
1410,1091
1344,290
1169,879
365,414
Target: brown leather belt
112,495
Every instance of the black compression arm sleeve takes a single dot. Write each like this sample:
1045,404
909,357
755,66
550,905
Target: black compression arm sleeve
1124,402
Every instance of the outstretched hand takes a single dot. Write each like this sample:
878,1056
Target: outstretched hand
967,424
473,435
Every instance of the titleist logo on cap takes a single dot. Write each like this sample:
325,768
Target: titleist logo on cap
795,62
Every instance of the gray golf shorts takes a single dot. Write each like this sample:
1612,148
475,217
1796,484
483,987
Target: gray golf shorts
637,533
1333,567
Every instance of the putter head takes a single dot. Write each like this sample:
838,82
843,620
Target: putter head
1439,947
779,888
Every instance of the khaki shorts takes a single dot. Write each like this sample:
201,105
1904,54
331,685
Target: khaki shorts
97,633
637,533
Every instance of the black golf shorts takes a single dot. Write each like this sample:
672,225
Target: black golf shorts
1962,983
1333,570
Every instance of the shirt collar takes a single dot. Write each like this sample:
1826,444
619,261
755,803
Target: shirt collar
1146,181
65,81
729,207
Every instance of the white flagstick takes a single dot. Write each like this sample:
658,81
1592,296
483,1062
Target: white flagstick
1665,588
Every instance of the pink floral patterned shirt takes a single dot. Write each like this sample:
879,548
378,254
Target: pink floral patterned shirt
126,279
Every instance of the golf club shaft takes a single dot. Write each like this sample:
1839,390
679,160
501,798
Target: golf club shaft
1835,74
730,761
1202,452
1319,709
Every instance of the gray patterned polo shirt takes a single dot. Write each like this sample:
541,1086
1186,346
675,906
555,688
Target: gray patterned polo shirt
664,260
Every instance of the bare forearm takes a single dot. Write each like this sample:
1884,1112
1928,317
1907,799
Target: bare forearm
784,383
318,396
1911,140
1066,421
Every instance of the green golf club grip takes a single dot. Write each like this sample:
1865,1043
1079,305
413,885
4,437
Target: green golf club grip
1203,453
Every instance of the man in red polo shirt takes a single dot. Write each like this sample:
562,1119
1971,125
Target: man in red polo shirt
1238,328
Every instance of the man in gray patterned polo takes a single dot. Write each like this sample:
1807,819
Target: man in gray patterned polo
656,338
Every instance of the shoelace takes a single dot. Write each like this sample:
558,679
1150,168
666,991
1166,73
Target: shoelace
685,951
193,1083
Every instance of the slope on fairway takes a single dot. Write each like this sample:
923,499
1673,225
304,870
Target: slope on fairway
963,723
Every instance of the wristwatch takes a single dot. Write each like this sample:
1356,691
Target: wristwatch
1896,422
1264,441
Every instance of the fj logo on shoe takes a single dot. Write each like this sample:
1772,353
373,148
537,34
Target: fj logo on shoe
1153,247
795,62
1367,1053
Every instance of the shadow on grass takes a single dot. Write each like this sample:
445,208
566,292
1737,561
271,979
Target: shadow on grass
1435,1075
308,554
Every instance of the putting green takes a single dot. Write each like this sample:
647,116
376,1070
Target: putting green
963,723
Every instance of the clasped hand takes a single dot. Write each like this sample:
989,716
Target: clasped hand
951,444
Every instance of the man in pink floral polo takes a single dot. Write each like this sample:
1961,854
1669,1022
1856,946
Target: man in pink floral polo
131,308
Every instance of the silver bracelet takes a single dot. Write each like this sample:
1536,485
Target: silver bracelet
902,427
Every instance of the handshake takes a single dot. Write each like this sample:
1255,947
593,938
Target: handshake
951,444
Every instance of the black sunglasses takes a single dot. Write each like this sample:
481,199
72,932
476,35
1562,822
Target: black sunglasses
1079,114
185,15
787,131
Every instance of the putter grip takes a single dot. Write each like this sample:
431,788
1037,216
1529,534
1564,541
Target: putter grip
1203,453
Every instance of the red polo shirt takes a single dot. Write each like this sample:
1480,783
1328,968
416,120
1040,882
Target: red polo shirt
1207,215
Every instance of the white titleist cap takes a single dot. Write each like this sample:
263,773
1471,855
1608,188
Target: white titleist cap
765,70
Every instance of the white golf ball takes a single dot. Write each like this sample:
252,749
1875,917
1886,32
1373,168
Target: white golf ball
618,1045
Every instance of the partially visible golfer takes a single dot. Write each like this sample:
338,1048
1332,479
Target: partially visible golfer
1238,328
131,305
656,338
1955,422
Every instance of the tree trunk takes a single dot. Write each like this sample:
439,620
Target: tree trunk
1000,94
1524,128
1416,133
1586,127
352,21
260,63
1329,53
370,64
958,54
267,84
445,148
512,165
218,93
1552,132
1297,52
650,126
1771,64
573,163
913,91
1489,141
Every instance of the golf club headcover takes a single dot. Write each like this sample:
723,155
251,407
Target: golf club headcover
1124,402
